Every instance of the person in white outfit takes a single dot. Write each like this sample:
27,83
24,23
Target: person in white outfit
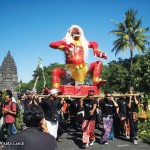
51,106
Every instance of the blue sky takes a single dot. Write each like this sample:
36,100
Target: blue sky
28,26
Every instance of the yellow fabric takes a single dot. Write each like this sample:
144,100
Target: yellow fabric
144,115
61,47
56,85
77,43
96,79
79,72
98,50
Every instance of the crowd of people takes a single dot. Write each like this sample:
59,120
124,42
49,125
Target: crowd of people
43,117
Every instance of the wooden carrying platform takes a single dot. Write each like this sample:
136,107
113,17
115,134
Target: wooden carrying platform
78,90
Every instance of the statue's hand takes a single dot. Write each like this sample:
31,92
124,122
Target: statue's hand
104,56
71,47
97,53
100,54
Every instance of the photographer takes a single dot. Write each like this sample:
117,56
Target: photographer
33,137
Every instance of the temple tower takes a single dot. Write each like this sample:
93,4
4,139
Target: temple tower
8,73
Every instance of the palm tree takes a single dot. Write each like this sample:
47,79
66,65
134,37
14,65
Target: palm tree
130,35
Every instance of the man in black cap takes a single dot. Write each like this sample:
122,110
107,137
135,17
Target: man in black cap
28,99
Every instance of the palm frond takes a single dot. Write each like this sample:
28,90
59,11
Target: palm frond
137,24
117,33
130,17
142,36
129,34
142,30
120,45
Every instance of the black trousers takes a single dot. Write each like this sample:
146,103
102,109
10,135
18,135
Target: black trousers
133,126
60,130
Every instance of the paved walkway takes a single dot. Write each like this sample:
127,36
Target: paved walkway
71,140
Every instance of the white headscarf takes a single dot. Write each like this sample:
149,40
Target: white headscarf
53,91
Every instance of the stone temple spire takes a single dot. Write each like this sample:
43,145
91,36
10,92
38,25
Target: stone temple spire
8,73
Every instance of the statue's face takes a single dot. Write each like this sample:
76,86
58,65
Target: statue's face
75,33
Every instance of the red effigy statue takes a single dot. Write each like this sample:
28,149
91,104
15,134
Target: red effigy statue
75,47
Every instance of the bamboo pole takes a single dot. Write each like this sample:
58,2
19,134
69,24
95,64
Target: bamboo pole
97,96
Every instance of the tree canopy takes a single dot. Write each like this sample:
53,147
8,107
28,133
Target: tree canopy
130,34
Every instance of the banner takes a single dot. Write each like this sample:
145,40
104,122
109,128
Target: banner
40,65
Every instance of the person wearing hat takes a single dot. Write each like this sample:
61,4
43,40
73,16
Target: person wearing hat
89,105
51,106
28,98
132,105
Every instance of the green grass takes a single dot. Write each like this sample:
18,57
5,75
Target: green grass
144,126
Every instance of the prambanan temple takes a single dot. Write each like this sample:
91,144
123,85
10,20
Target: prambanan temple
8,73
